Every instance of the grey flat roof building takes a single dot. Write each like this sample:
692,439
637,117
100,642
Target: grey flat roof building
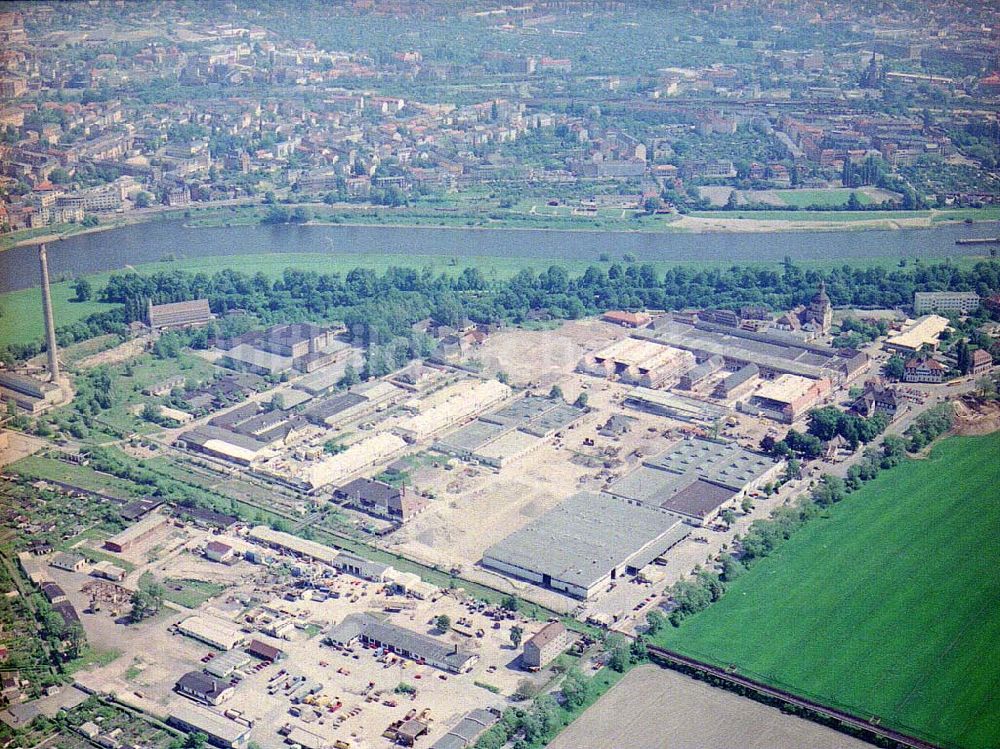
772,350
724,463
404,642
220,731
467,731
470,437
695,477
583,542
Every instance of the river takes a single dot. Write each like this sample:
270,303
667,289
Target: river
152,242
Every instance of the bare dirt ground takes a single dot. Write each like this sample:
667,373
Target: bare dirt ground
453,530
19,446
120,353
975,417
541,357
654,707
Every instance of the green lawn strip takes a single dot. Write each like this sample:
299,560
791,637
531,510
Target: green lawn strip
600,683
91,534
91,658
41,467
99,556
193,593
885,606
804,198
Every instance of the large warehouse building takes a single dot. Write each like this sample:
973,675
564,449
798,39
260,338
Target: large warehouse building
585,542
179,314
27,393
695,477
512,432
926,331
774,352
639,362
361,455
137,533
675,406
213,631
788,398
453,406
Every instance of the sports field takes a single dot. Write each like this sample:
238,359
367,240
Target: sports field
887,606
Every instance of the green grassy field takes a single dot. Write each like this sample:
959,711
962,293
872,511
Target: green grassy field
830,197
190,593
21,312
885,606
41,467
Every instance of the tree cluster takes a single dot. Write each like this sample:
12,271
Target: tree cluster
380,308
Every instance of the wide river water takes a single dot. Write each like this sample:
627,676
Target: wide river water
152,242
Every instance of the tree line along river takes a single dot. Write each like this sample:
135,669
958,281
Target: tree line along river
153,242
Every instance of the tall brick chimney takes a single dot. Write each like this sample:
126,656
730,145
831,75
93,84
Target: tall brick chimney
50,323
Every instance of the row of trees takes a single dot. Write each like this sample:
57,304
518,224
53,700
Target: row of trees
383,307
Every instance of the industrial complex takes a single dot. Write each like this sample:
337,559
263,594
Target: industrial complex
577,471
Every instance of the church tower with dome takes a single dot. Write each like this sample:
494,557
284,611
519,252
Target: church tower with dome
819,313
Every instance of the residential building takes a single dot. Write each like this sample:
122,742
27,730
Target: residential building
981,361
924,370
381,499
204,688
946,302
541,649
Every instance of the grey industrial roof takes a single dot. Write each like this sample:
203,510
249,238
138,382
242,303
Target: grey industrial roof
770,349
740,376
225,663
698,499
417,645
582,538
247,354
724,463
206,433
185,714
649,485
558,417
472,436
367,567
467,731
328,407
712,364
521,411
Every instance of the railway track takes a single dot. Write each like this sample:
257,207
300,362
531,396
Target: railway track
869,728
